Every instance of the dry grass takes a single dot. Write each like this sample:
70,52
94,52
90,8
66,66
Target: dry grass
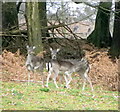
104,71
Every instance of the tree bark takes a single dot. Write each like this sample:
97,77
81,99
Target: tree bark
101,37
0,28
115,48
33,25
43,19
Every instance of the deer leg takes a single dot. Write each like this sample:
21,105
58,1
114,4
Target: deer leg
70,79
48,77
84,83
54,79
88,79
55,83
29,73
29,69
65,79
28,77
43,77
68,74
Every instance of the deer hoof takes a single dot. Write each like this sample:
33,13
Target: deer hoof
46,86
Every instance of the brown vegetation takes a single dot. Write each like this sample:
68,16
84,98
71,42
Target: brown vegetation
104,71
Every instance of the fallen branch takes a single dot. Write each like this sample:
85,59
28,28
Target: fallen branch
26,81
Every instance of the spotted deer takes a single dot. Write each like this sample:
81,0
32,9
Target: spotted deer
34,62
67,68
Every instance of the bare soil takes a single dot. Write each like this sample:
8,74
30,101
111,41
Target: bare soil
104,70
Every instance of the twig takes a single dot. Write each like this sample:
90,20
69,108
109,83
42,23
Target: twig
25,80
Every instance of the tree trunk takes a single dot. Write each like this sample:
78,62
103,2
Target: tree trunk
0,27
115,48
101,37
43,19
33,25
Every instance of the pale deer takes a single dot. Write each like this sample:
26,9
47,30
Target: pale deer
34,62
67,68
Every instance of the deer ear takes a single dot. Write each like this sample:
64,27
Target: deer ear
27,46
51,49
34,47
58,49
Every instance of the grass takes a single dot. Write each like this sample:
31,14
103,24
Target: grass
20,96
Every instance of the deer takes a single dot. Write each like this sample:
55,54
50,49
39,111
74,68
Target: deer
34,62
67,68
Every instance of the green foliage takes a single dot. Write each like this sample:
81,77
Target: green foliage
44,89
20,96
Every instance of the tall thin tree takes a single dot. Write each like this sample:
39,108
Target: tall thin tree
115,48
